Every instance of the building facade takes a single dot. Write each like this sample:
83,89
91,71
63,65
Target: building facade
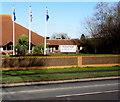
54,46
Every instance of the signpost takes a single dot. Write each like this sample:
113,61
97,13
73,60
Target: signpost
68,48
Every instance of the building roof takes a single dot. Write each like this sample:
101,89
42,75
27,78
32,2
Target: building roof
65,42
6,26
7,31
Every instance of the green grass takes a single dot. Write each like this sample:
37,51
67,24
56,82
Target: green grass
80,54
58,55
53,77
35,78
73,69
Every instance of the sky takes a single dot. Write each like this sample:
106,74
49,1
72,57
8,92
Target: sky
64,17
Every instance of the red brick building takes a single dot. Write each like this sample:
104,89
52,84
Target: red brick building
6,37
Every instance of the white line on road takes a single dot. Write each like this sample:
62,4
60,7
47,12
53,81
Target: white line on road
55,89
86,93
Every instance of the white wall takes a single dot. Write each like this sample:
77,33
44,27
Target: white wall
1,48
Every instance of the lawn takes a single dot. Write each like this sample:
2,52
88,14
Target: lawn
53,77
73,69
80,54
57,55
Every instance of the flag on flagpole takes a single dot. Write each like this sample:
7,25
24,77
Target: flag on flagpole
14,16
47,16
31,14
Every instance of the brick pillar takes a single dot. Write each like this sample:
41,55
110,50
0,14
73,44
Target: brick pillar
79,61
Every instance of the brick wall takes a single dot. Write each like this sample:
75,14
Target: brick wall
88,60
58,62
38,62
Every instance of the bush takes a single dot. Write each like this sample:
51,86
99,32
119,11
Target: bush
38,49
22,45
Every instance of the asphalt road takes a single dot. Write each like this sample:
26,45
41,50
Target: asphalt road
93,90
107,95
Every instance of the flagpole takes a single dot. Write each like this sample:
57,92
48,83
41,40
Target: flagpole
29,35
30,25
14,18
45,37
13,37
46,19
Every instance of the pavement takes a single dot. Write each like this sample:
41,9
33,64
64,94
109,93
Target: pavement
59,82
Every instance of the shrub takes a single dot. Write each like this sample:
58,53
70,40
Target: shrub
22,45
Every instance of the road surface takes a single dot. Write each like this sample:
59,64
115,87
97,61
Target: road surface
93,90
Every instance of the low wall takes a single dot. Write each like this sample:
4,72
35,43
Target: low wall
58,62
88,60
38,62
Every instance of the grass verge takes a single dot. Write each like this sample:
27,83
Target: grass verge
57,55
73,69
54,77
35,78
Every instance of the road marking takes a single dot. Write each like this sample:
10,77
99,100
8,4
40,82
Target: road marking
86,93
55,89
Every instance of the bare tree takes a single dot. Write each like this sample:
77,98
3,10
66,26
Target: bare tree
104,27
